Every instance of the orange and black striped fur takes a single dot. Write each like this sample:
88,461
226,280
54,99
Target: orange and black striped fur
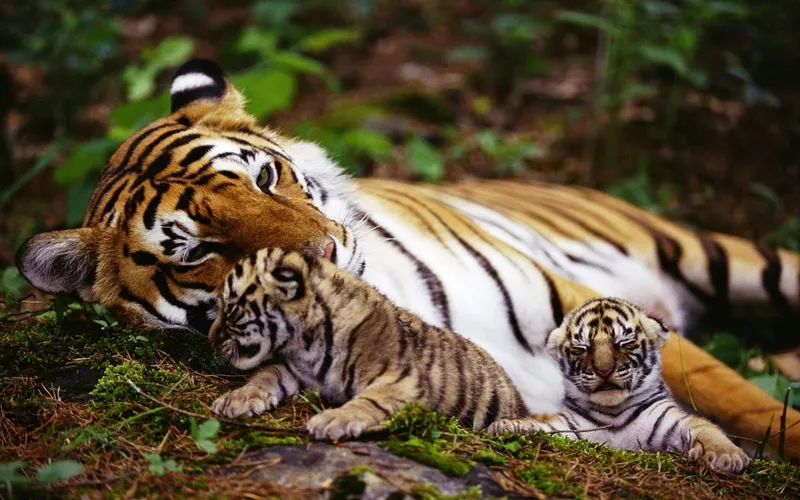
498,262
610,354
320,327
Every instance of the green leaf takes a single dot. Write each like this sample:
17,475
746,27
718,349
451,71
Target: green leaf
518,27
293,61
258,40
204,433
323,40
12,283
208,429
207,446
59,470
130,117
267,90
87,157
170,52
159,466
9,473
766,192
664,55
369,142
424,160
78,196
587,20
776,385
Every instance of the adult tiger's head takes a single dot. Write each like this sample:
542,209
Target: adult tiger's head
608,349
186,197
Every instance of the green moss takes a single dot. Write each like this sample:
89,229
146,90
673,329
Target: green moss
113,387
489,457
428,491
430,453
351,484
416,420
545,479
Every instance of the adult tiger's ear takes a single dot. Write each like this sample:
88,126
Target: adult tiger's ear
200,87
654,329
61,261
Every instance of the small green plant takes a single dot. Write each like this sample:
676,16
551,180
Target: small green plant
204,434
158,466
55,471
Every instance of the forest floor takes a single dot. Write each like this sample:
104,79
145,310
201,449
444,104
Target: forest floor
70,392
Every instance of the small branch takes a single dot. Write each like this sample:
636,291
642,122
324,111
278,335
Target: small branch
578,431
280,430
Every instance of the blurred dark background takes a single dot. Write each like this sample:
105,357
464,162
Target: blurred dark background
689,109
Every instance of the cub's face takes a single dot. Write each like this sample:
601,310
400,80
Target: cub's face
182,200
608,350
261,304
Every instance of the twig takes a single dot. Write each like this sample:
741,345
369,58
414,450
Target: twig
578,431
683,372
782,439
281,430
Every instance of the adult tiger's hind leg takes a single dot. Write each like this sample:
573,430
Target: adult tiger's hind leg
726,397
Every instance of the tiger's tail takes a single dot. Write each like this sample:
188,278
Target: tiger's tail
720,393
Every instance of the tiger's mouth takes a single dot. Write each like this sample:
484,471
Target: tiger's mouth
607,386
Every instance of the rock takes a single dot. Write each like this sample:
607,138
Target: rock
352,470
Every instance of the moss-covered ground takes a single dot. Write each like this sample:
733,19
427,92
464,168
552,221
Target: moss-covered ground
65,395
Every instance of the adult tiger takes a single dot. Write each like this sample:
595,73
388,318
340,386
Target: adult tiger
498,262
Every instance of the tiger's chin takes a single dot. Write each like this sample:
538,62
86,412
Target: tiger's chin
609,397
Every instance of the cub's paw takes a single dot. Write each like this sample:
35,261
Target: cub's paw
338,423
515,426
246,400
719,453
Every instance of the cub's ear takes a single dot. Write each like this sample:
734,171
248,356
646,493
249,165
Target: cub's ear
654,329
61,261
555,338
200,87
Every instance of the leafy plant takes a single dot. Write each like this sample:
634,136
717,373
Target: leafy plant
55,471
159,466
425,160
204,434
140,78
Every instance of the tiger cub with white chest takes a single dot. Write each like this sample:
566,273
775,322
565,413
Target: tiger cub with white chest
314,325
610,354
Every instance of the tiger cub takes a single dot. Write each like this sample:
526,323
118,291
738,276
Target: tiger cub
609,352
314,325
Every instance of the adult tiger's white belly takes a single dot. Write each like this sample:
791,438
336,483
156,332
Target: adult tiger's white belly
452,278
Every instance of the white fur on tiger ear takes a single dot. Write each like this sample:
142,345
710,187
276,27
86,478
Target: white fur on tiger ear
655,330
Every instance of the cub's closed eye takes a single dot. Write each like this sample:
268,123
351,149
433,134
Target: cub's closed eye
286,274
577,351
624,343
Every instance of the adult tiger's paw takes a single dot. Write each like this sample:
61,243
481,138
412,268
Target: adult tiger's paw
719,453
247,400
339,423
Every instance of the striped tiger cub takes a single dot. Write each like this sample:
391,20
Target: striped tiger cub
314,325
609,352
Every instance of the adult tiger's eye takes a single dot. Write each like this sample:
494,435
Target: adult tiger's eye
577,351
266,177
196,253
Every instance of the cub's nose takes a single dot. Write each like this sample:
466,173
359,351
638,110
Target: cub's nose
604,371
